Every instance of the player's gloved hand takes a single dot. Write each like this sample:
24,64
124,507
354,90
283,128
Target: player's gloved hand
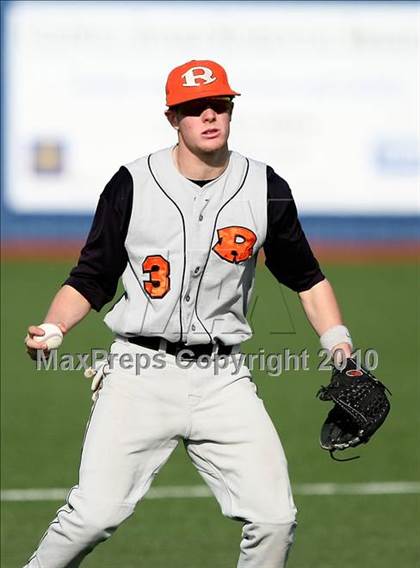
360,407
97,374
32,345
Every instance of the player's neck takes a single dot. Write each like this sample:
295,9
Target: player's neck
200,166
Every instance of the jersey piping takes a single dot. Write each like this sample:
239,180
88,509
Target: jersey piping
211,240
184,242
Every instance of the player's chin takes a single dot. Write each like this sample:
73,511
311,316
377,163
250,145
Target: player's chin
212,145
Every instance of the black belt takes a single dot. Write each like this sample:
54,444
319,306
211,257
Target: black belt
192,351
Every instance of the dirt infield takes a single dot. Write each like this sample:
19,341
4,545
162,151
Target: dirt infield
326,251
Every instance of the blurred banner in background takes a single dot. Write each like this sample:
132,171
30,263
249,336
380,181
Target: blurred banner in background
330,99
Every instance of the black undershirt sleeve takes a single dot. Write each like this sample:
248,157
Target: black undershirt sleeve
104,257
288,255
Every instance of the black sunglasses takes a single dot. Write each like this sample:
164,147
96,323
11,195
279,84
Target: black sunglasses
195,108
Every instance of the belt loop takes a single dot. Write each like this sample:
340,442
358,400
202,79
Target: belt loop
236,349
163,345
217,345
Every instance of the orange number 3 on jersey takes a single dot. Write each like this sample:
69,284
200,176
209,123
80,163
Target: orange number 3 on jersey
158,268
235,244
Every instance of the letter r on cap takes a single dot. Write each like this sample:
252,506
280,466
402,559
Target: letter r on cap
196,76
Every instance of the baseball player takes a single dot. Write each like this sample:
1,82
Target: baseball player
183,227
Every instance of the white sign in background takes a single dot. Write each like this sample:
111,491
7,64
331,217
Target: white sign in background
330,95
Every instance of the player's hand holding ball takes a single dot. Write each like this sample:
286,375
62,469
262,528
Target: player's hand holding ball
46,336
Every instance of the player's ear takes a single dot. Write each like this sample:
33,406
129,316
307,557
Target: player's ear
172,117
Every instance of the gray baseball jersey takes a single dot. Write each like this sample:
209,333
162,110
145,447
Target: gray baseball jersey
187,253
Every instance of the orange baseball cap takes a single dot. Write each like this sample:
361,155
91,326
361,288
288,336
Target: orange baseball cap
197,79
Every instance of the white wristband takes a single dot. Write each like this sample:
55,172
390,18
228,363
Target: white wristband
335,335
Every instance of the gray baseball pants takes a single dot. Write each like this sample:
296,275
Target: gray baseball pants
136,424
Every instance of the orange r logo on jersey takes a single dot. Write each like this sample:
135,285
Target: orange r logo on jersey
235,244
158,268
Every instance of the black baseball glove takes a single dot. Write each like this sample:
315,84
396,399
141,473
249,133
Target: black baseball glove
360,408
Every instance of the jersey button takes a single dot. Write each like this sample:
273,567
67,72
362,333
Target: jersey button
196,270
187,298
200,218
193,327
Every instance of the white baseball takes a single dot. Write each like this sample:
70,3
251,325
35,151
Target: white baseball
53,336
